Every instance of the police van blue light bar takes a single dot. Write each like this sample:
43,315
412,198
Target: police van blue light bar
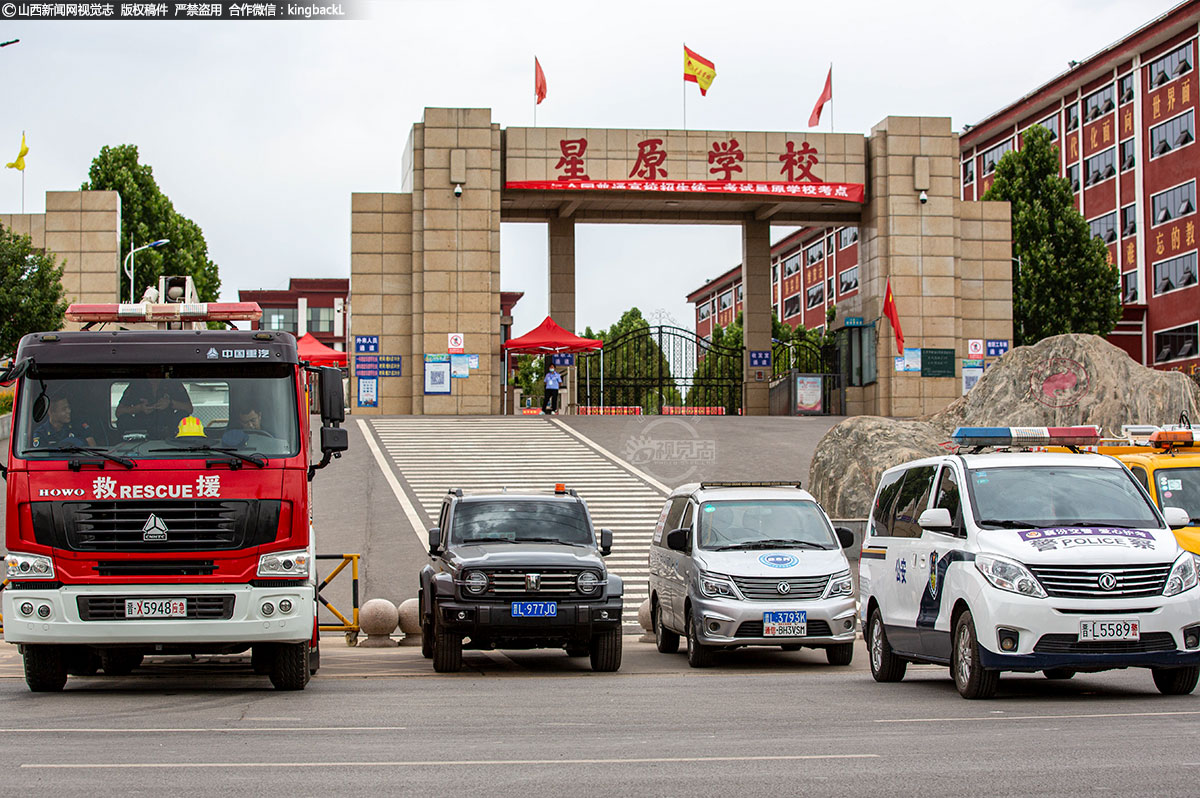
1026,436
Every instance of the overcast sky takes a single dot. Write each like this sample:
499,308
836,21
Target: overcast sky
260,131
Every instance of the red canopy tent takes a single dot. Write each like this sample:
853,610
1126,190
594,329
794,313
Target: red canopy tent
548,339
316,353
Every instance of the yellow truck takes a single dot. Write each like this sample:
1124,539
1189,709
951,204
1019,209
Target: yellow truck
1167,463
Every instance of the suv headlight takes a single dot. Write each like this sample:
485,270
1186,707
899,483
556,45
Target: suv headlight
717,585
28,566
1183,575
476,582
284,563
1009,575
840,585
587,582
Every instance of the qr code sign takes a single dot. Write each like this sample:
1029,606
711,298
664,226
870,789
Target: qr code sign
437,378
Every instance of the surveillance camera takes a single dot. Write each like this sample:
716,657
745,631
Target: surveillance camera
924,198
458,189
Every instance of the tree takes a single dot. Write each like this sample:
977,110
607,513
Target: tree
31,291
1064,280
148,215
632,372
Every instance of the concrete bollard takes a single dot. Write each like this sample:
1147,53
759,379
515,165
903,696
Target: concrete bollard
378,618
410,622
644,622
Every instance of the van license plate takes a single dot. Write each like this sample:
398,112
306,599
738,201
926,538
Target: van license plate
535,609
789,623
1110,629
155,608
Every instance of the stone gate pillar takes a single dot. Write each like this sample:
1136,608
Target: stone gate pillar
756,313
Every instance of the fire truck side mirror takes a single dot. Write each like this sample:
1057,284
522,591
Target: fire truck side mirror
334,439
333,400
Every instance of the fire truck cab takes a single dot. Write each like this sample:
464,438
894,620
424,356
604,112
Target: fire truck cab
158,496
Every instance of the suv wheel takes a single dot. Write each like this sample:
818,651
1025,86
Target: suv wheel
840,653
1176,681
666,641
45,670
885,665
447,648
971,679
606,651
698,654
290,666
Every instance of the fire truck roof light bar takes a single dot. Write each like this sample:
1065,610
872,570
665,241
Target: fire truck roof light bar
1026,436
169,311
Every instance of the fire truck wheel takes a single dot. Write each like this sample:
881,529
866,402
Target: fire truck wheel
45,670
261,658
289,671
120,662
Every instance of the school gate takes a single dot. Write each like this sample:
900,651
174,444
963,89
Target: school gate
425,261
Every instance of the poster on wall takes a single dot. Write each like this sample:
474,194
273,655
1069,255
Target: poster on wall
912,358
437,377
460,367
368,391
473,361
972,370
808,393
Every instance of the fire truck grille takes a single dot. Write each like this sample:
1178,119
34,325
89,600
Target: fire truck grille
155,567
112,608
155,526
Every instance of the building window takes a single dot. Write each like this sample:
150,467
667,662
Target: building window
1101,167
848,281
1128,157
775,273
1073,177
726,301
1176,344
1051,124
1072,117
1170,66
856,354
992,157
816,295
1175,273
1125,88
968,169
1173,203
791,306
847,236
814,253
283,319
1105,227
320,319
1129,288
1099,103
1172,134
740,293
829,289
791,266
703,311
1128,220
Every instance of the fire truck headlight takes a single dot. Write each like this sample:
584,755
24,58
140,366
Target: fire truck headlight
285,606
28,566
284,563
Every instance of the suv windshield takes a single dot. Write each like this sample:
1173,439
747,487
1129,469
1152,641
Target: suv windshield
521,521
145,412
1049,496
763,523
1179,487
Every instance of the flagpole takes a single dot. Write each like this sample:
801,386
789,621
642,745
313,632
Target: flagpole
831,97
22,175
685,96
535,102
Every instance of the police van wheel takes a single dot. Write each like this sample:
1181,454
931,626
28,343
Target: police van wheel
606,651
971,679
885,665
447,649
698,654
289,668
840,654
666,641
45,670
1176,681
1058,673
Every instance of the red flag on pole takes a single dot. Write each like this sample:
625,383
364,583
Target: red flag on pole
826,96
893,315
539,82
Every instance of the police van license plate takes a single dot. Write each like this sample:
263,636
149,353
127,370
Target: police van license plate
155,608
1109,629
789,623
535,609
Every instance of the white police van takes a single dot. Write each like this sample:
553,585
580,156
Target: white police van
1026,561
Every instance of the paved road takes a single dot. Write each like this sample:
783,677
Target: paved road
764,722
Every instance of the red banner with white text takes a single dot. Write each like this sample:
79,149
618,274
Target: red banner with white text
841,192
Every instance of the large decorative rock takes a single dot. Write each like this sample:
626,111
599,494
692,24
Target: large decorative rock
410,622
378,618
644,616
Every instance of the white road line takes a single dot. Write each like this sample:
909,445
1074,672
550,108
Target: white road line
1041,717
658,760
222,729
642,475
410,512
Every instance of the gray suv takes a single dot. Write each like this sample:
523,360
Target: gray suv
518,571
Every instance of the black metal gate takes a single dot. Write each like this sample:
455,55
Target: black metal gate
661,370
802,356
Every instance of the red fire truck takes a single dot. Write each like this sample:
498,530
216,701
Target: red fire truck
158,493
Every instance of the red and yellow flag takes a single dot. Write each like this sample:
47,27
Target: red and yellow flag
698,70
893,315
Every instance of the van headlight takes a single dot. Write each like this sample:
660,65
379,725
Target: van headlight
1183,575
717,585
840,585
284,563
1009,575
28,566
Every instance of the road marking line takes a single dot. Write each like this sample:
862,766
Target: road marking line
203,731
446,763
1041,717
414,519
649,480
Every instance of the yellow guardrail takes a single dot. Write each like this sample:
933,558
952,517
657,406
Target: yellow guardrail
350,627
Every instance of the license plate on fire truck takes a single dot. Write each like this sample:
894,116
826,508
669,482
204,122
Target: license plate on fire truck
156,608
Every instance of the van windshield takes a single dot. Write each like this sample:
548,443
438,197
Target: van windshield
1032,497
1179,487
729,525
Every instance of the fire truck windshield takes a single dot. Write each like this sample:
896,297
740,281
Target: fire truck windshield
159,412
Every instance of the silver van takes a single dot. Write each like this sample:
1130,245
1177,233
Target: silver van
750,564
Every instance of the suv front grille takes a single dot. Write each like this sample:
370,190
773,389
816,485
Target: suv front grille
178,525
1083,581
1069,644
766,588
112,608
517,582
817,628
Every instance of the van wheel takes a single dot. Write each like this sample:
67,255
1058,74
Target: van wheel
971,679
289,668
1058,673
1176,681
840,653
447,649
45,670
698,654
606,651
666,641
120,661
885,665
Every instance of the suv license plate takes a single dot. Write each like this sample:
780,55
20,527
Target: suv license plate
1109,629
156,608
789,623
535,609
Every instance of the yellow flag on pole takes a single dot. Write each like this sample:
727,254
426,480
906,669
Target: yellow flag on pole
19,164
698,70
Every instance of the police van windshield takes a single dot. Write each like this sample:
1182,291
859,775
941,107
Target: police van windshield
158,411
521,521
1179,487
1033,497
730,525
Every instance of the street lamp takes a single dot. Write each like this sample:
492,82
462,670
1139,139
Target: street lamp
129,261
